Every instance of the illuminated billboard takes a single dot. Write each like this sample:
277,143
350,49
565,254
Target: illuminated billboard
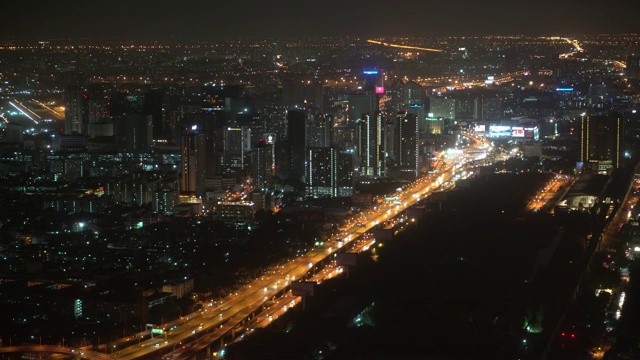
270,138
379,89
370,72
499,130
480,128
517,132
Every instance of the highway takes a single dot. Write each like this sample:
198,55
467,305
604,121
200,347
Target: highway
400,46
202,328
544,198
51,349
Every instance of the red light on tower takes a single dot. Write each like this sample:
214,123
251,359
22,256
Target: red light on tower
379,89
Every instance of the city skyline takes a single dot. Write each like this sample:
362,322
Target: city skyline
166,19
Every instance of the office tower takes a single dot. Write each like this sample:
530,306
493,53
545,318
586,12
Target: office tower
601,138
276,122
441,107
256,123
193,168
344,172
343,137
464,107
262,165
296,143
298,93
152,105
226,101
96,107
487,108
237,141
370,145
206,123
359,104
134,133
366,101
411,98
318,130
407,155
74,121
321,172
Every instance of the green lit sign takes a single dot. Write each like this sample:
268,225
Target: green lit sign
157,331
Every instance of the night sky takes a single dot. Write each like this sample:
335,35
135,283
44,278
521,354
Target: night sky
161,19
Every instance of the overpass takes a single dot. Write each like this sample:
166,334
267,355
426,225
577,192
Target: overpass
216,323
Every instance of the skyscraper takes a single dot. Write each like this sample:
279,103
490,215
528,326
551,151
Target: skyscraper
237,142
601,140
411,98
74,121
152,105
408,143
487,108
134,133
296,142
321,172
298,93
262,165
370,144
206,122
442,107
193,168
318,130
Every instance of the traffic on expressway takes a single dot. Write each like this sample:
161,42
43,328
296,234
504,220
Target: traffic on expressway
201,328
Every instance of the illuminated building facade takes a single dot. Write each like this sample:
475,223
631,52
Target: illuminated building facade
193,173
321,172
601,138
407,138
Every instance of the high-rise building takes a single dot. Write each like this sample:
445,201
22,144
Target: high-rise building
344,172
601,140
206,123
318,130
152,105
164,201
96,108
359,104
487,108
343,137
223,100
74,121
297,93
407,155
262,165
411,98
296,142
237,142
321,172
193,168
441,107
134,133
370,144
